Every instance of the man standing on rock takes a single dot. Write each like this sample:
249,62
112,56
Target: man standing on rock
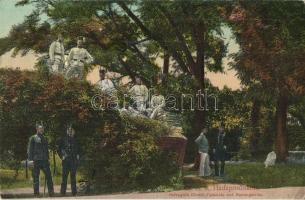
76,61
38,152
69,152
57,55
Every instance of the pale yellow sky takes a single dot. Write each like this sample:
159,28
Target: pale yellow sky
11,15
27,62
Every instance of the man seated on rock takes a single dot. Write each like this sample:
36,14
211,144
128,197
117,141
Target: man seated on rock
105,85
139,93
157,104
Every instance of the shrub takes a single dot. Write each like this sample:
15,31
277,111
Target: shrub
130,159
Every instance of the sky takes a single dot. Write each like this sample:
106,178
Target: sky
11,15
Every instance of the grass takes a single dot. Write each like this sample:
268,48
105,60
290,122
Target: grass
9,181
253,175
257,176
250,174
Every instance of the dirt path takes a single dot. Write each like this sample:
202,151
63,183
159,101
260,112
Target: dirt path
228,191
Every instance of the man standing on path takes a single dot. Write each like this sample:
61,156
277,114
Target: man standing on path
203,145
69,152
220,151
38,152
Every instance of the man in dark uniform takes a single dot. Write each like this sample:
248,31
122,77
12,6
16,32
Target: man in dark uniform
69,152
220,151
39,153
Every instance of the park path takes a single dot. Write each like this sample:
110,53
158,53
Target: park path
216,191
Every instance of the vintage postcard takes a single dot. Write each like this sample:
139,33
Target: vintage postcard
150,99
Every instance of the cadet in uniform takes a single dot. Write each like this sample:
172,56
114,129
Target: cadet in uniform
57,55
76,60
105,84
203,146
220,151
69,152
157,104
38,152
139,94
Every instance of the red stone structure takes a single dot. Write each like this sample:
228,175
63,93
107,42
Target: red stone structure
176,143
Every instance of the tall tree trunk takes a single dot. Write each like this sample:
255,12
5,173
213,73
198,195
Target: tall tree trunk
199,116
255,115
281,132
199,121
165,69
199,69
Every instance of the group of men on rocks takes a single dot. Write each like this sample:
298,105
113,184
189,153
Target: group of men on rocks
73,65
68,148
141,106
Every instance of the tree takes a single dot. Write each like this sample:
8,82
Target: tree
188,32
26,98
110,37
272,45
127,36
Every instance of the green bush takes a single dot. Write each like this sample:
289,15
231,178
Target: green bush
130,159
296,137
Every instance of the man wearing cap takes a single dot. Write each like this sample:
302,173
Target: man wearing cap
105,84
76,61
38,152
69,152
203,149
139,94
220,151
157,104
57,55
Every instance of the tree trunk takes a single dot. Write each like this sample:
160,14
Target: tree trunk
199,116
255,115
165,69
281,132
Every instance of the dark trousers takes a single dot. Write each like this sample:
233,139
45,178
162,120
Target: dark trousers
220,156
43,165
68,166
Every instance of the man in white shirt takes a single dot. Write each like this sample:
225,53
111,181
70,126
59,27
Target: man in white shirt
105,84
157,104
139,94
76,60
57,55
